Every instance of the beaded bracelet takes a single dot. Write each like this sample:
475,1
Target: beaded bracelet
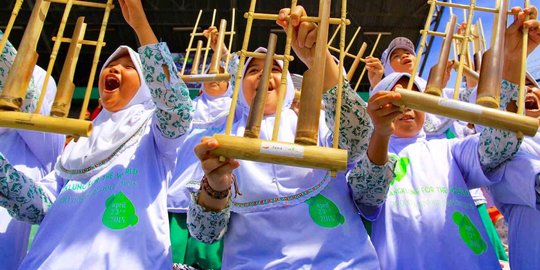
218,195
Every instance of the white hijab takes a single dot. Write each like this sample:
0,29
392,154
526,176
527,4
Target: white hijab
255,179
210,109
112,131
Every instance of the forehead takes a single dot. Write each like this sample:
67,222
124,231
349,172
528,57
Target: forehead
399,51
259,62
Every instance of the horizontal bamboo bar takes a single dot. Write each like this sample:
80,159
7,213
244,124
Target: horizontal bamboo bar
468,112
38,122
205,77
281,153
82,42
262,55
202,34
441,34
81,3
477,8
274,17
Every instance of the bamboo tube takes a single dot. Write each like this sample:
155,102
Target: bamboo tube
208,42
422,43
256,112
82,42
489,84
191,42
482,34
274,17
464,54
467,112
522,87
231,38
238,78
64,93
435,82
21,71
370,54
196,58
334,35
9,26
202,34
281,153
310,105
95,61
54,53
477,47
205,77
38,122
356,62
216,57
284,72
339,94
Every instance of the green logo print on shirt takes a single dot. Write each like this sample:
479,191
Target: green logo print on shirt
401,168
469,233
324,212
119,212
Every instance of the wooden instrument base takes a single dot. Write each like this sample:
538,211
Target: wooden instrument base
468,112
38,122
281,153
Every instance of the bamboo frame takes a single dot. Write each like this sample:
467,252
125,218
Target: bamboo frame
272,151
10,24
22,67
464,111
370,54
357,58
213,72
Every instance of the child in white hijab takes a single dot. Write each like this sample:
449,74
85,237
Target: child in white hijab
289,217
109,190
32,153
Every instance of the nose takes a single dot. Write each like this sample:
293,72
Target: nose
529,89
114,69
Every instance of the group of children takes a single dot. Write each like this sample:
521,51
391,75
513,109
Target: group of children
144,189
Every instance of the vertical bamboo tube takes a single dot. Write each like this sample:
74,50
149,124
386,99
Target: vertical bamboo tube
489,84
192,36
435,82
231,38
342,52
356,62
524,42
216,57
54,53
464,54
284,72
422,43
371,54
208,43
310,105
236,90
9,26
95,61
197,58
477,47
23,65
256,112
64,93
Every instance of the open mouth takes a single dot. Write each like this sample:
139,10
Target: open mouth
112,83
406,117
531,102
406,61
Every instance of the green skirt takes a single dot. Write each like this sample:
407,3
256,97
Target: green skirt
492,233
188,250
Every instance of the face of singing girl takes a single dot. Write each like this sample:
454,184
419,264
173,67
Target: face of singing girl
410,122
118,83
251,80
532,102
402,61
